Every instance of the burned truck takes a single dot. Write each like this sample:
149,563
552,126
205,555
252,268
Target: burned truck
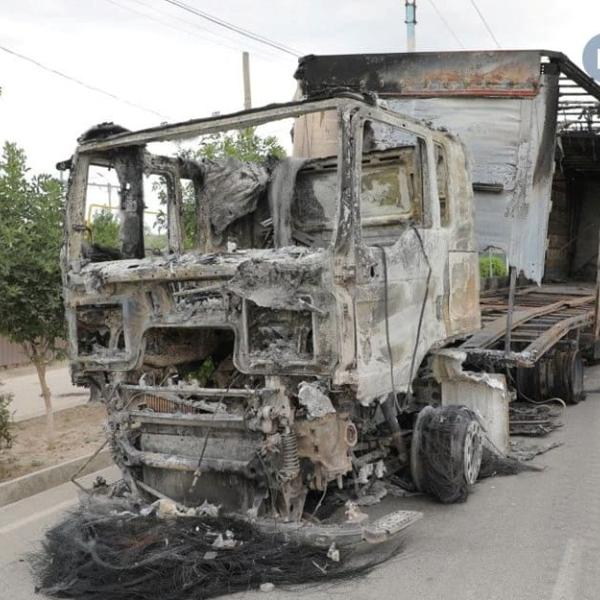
319,327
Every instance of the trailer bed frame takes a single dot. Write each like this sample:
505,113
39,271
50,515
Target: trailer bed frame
541,317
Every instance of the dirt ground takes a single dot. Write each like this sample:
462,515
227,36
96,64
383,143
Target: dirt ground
79,431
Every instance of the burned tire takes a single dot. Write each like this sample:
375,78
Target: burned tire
568,376
559,375
446,452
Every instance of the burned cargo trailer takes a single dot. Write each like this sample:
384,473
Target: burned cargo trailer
303,336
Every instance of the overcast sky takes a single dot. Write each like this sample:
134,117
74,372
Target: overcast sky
153,54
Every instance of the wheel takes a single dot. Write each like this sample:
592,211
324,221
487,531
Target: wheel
535,383
568,376
446,451
558,375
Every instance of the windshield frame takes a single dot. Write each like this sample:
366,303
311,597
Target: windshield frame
352,113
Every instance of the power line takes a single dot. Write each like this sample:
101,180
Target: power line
239,30
93,88
161,21
443,20
485,23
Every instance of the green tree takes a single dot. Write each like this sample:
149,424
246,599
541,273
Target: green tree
492,266
31,305
105,229
245,145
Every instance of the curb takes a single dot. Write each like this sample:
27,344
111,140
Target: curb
40,481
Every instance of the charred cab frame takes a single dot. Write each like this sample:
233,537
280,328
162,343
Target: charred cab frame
285,423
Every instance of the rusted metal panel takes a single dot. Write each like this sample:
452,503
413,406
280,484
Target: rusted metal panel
422,74
494,331
542,318
548,339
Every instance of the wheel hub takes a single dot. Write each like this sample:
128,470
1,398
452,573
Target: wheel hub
472,452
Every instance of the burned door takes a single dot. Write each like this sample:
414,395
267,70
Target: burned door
400,302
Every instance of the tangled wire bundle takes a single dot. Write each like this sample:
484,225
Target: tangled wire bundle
105,550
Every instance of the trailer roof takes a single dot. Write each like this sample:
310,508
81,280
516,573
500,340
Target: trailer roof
497,73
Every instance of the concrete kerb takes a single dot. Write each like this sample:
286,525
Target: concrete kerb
40,481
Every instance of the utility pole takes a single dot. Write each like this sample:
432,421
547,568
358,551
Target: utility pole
107,186
411,21
246,72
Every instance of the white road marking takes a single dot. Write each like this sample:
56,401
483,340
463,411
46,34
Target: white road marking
38,515
565,587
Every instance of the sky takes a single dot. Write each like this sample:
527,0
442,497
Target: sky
175,66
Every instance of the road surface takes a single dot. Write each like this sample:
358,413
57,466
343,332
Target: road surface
27,402
535,536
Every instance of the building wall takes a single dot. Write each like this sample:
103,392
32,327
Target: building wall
11,355
586,192
558,252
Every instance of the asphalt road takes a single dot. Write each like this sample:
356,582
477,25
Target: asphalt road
535,536
27,402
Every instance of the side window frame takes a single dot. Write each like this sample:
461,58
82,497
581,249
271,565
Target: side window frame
443,187
429,215
152,166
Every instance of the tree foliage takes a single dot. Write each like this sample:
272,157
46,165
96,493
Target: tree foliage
244,145
105,228
492,266
31,305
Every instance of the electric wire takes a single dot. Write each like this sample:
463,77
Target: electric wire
422,313
197,472
314,512
485,23
239,30
524,396
387,321
88,86
163,22
446,24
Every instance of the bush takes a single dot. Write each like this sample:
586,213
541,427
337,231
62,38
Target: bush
6,434
492,266
105,229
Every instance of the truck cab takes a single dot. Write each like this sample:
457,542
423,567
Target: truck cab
267,351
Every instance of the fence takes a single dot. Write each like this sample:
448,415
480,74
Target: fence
11,355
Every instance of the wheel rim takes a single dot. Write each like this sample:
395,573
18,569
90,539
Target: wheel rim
472,452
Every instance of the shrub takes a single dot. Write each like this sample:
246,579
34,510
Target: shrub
105,229
492,266
6,434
